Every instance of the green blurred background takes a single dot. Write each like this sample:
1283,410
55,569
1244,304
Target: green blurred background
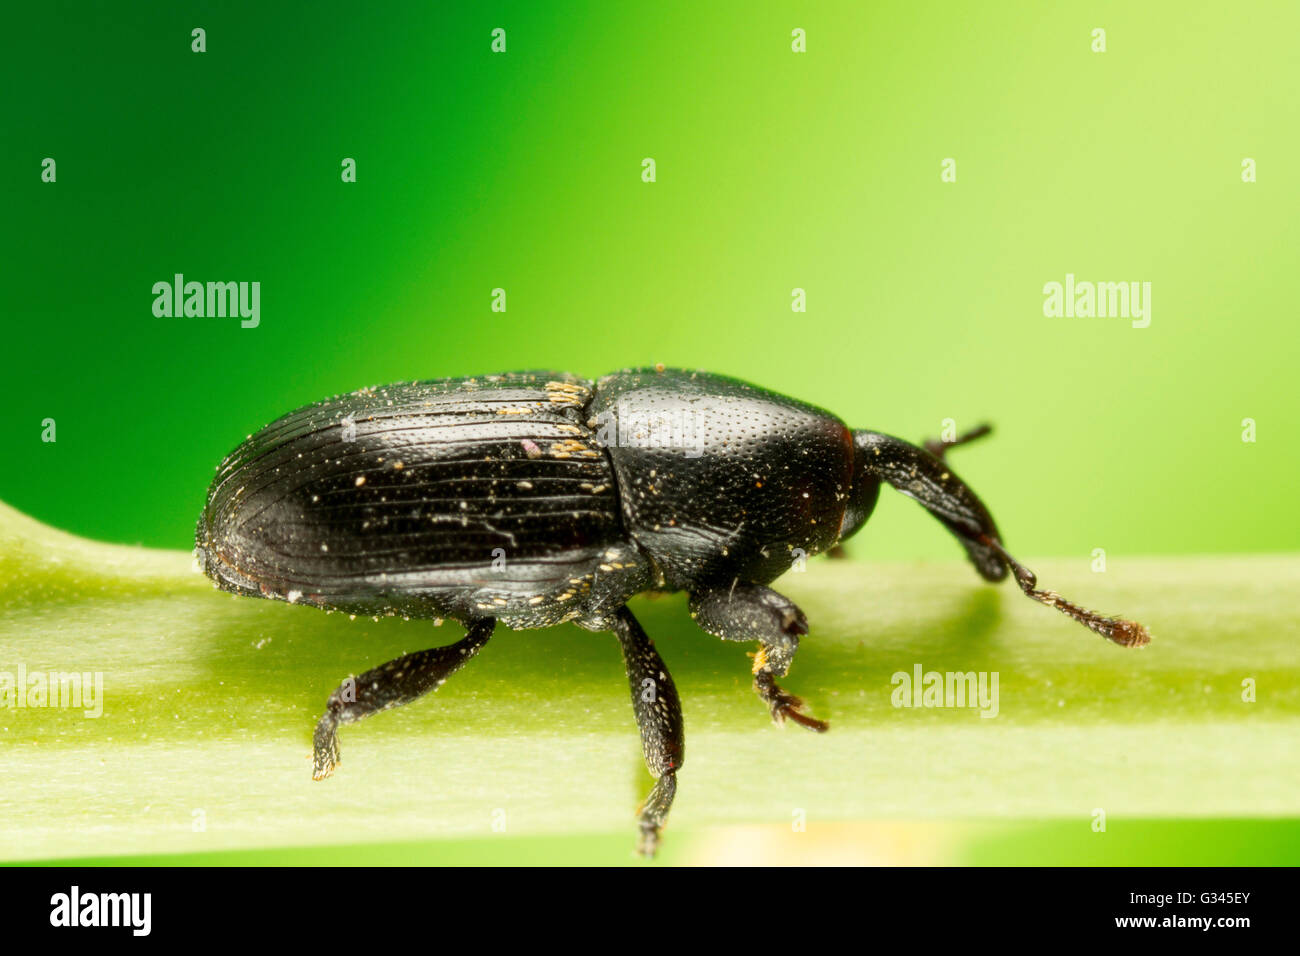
775,170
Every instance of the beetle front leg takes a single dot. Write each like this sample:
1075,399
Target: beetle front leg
659,718
752,612
398,682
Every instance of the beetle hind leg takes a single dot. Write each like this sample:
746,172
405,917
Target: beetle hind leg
659,718
752,612
398,682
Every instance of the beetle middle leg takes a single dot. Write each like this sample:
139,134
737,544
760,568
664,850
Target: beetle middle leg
398,682
752,612
659,718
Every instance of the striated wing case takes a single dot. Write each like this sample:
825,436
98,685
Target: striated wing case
429,498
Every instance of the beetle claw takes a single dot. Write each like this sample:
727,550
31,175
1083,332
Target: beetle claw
785,706
792,709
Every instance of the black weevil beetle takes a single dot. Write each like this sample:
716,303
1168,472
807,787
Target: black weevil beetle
534,498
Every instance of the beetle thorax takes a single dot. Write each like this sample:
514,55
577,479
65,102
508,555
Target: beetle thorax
720,480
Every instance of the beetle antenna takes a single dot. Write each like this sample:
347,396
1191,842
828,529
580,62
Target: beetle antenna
1123,632
939,446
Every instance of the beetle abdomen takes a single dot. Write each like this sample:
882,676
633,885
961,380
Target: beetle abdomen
441,498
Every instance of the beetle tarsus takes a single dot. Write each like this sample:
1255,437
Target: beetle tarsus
653,814
783,705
